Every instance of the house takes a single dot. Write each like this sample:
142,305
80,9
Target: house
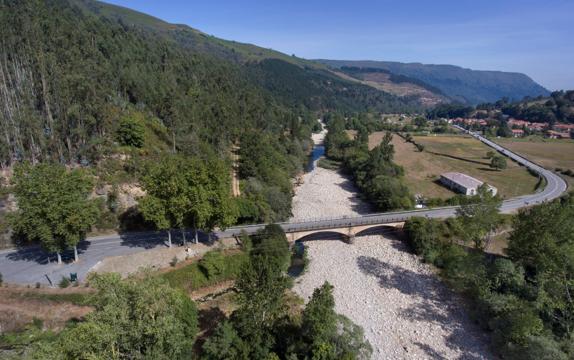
537,126
517,133
514,123
463,183
558,135
563,127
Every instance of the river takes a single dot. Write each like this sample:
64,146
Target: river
404,309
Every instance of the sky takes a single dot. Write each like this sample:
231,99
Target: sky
535,37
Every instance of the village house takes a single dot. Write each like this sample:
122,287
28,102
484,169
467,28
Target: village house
558,135
563,127
517,133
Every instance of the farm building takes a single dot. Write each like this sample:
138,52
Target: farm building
463,183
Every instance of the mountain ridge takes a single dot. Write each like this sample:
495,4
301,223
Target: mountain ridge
459,83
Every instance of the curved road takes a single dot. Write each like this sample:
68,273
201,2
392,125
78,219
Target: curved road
29,265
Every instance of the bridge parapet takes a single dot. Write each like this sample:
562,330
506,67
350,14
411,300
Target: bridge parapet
348,232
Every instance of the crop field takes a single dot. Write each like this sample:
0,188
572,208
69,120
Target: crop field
551,154
454,153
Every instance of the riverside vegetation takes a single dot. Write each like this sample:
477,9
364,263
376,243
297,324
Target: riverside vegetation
149,318
374,172
523,299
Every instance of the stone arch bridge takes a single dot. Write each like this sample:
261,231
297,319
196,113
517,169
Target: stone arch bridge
348,232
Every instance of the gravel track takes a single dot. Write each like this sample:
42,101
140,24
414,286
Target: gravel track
405,310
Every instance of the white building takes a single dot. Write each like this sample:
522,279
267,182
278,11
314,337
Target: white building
463,183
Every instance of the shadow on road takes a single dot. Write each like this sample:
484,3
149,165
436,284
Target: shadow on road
34,253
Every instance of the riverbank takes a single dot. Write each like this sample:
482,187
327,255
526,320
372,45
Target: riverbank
401,304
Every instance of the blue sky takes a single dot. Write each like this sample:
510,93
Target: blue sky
533,37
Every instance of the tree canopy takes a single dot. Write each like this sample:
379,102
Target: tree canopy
133,319
54,205
187,192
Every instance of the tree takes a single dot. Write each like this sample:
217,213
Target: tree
272,243
319,324
327,335
187,192
479,219
261,290
423,236
133,319
498,162
225,344
420,122
131,130
542,241
54,207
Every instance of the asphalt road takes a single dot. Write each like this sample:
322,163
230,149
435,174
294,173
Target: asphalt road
30,265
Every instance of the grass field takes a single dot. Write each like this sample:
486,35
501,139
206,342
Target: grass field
454,153
549,153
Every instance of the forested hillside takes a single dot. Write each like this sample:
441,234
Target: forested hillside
83,83
460,84
558,107
68,76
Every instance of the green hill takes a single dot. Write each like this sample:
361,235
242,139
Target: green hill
460,84
73,68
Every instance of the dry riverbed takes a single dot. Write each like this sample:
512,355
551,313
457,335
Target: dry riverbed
405,310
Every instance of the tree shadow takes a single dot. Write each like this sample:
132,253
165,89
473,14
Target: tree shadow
35,253
389,232
458,158
208,320
436,305
487,169
152,239
358,205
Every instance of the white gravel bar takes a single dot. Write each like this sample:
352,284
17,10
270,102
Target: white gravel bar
405,310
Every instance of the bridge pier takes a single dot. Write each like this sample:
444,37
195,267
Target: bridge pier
350,239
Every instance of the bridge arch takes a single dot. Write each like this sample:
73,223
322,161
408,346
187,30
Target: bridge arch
389,230
344,233
318,235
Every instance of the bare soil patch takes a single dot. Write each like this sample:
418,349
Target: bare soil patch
20,306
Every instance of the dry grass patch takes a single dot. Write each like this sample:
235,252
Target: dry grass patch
549,153
454,153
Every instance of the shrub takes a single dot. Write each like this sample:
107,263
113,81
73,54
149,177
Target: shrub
1,279
131,131
64,283
423,237
193,276
173,261
213,264
329,164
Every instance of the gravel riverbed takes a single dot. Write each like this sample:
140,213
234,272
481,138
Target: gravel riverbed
405,310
